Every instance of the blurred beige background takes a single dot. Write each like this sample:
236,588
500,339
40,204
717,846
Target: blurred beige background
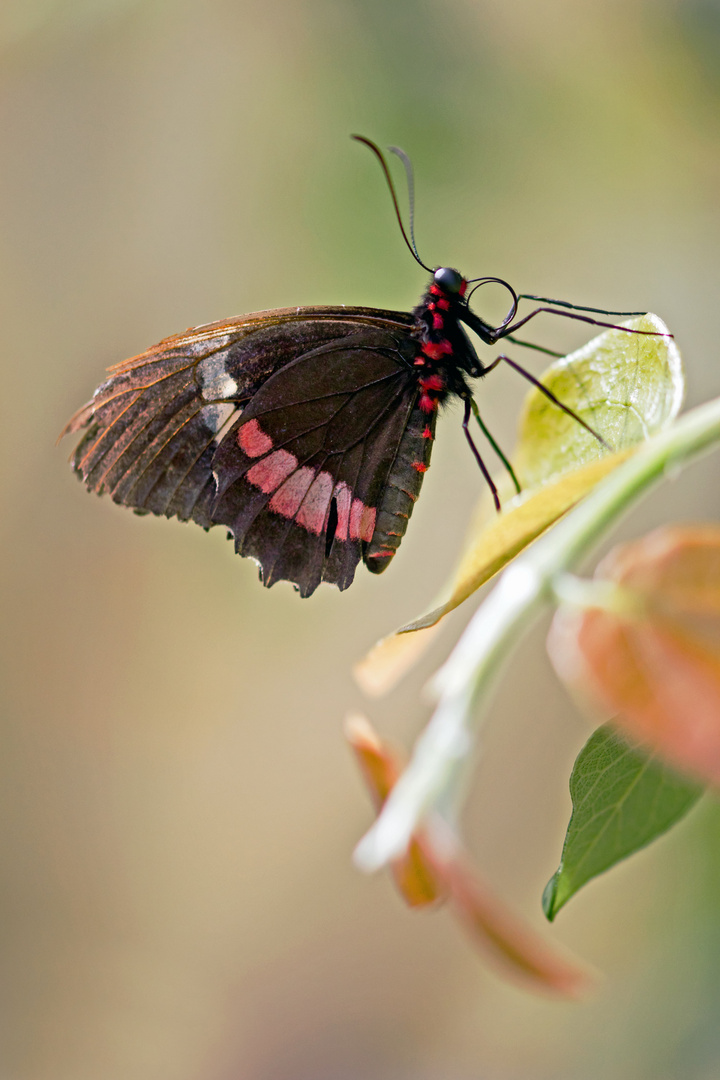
178,807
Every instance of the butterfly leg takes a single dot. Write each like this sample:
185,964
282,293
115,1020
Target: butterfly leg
476,452
531,345
549,395
496,448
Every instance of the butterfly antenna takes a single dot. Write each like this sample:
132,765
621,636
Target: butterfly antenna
576,307
379,155
410,177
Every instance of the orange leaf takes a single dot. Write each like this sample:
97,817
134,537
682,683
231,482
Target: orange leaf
510,942
677,567
415,877
655,661
435,868
389,659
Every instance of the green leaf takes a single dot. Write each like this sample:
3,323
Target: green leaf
622,800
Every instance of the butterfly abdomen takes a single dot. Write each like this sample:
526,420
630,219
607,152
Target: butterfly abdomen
435,327
402,488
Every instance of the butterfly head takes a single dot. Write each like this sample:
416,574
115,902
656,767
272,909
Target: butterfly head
450,281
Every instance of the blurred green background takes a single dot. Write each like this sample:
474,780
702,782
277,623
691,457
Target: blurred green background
178,807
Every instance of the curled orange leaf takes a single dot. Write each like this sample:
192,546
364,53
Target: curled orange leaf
435,867
653,656
415,876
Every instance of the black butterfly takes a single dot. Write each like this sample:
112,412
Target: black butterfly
305,431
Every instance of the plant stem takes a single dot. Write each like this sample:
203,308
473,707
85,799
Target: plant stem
434,778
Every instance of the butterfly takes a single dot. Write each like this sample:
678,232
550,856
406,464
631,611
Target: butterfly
305,431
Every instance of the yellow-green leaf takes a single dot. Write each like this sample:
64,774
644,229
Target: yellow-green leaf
506,534
627,387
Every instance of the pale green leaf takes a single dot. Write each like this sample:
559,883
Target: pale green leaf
628,387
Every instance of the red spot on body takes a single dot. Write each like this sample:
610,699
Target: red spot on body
420,466
313,512
362,521
443,304
269,473
427,433
436,290
420,362
438,321
287,499
430,387
436,350
463,287
432,382
253,440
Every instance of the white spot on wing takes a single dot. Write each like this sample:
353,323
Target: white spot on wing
215,416
215,382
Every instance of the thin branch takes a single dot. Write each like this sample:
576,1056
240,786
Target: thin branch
434,779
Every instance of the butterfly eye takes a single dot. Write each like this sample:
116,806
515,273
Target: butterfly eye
448,280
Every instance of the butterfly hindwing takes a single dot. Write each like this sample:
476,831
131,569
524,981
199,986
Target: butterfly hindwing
301,475
331,387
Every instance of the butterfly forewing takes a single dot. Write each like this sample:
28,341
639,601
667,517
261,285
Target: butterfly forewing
282,425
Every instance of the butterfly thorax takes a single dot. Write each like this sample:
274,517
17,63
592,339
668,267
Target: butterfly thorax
442,358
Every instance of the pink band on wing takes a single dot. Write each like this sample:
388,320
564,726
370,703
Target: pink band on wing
313,511
253,440
343,499
287,499
269,473
362,521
